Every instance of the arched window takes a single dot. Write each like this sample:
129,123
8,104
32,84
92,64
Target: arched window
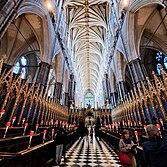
159,68
21,67
89,99
165,62
161,61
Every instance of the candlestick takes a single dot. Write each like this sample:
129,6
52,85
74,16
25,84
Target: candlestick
145,130
123,123
161,121
139,123
23,120
31,135
137,139
37,125
44,135
7,126
1,113
159,130
53,133
41,122
113,126
13,120
25,127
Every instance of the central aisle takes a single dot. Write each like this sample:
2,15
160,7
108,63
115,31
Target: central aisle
85,153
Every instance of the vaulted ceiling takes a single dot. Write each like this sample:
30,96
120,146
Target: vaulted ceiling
87,25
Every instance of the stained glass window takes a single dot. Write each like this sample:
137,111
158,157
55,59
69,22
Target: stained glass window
16,68
23,61
89,99
161,61
159,68
165,62
159,56
21,67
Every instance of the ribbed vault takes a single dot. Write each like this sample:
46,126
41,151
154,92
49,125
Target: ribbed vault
87,26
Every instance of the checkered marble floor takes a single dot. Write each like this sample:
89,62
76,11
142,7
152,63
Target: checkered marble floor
85,153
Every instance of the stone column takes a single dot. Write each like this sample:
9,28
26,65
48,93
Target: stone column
66,99
71,87
121,90
138,70
107,86
57,91
113,100
43,73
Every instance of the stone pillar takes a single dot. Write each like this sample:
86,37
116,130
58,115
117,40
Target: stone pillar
66,99
58,90
121,90
71,87
107,86
43,73
71,90
113,100
74,90
138,70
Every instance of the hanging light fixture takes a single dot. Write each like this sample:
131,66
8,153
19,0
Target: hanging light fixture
48,4
125,4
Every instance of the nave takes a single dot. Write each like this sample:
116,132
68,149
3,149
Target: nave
85,153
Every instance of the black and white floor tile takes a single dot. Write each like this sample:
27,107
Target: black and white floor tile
85,153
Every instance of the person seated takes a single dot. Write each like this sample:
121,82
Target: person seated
126,145
155,149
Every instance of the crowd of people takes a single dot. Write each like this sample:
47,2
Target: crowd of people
154,149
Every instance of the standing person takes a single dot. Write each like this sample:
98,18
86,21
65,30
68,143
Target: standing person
86,132
59,139
155,150
126,146
91,134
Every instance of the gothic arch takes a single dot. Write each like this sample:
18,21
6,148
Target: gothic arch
135,26
47,40
140,4
20,38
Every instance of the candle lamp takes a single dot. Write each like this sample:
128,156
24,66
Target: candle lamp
1,113
13,120
37,125
41,122
44,135
136,135
31,135
139,124
123,123
145,130
53,133
23,120
159,130
161,121
25,127
6,130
